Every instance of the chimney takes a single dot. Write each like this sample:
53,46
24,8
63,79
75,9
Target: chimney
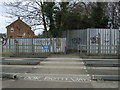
18,18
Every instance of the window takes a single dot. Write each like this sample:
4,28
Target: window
12,30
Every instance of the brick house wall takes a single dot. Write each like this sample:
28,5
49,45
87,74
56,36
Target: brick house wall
19,29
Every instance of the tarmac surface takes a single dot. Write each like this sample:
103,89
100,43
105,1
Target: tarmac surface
57,71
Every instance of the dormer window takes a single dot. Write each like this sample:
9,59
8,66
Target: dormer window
12,30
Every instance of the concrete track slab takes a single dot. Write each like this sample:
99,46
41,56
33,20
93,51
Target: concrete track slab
57,65
16,70
99,59
103,72
6,58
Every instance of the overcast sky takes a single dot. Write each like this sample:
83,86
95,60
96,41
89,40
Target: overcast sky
2,18
4,21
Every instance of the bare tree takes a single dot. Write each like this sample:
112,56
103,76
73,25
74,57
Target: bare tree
31,11
114,13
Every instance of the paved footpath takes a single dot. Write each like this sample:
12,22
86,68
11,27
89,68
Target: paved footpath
57,71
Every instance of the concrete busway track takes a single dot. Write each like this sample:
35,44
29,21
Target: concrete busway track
28,56
24,62
18,65
8,75
102,63
21,61
57,71
100,57
109,69
60,70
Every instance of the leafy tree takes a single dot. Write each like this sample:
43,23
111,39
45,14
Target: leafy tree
98,17
48,10
56,16
60,14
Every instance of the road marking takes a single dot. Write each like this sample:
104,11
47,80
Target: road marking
56,77
86,68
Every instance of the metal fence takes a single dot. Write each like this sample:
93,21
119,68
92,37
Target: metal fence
75,38
105,41
35,45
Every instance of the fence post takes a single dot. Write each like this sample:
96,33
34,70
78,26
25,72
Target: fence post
16,45
9,45
119,41
32,46
88,41
99,43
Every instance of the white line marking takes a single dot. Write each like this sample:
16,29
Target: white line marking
64,81
56,77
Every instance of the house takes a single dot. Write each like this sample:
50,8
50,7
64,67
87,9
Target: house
19,29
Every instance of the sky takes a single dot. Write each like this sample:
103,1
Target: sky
4,21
